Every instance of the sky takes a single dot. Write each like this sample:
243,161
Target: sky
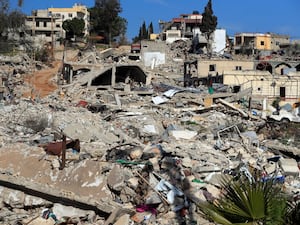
259,16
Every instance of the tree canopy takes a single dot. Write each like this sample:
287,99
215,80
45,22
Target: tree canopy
150,29
3,14
9,19
4,6
144,32
15,19
74,27
105,19
209,20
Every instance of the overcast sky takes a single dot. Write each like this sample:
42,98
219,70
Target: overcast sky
277,16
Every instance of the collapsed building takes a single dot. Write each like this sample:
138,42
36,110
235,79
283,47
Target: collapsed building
143,135
122,141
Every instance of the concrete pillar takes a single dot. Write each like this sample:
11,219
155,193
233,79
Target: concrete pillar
71,75
113,76
264,112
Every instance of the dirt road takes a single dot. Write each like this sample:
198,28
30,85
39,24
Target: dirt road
42,82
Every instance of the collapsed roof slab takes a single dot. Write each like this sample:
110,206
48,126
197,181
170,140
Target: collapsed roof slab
57,195
112,74
135,73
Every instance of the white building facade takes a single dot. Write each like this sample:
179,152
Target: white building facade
219,41
45,25
77,11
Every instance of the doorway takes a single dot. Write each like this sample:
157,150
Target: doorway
282,92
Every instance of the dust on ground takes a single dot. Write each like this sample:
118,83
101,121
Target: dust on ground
43,82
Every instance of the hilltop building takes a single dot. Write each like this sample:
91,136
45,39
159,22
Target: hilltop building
252,43
42,27
187,26
77,11
45,25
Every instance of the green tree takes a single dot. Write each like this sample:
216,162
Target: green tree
74,27
15,19
105,19
119,28
144,33
9,19
150,29
20,3
256,203
209,22
4,6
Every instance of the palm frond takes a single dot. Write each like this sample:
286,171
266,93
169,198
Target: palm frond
248,203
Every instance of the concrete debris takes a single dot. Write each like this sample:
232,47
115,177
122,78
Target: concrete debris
183,134
116,178
289,167
140,147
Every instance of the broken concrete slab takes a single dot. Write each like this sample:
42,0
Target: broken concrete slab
123,220
117,214
244,114
289,167
39,221
57,195
60,211
116,178
183,134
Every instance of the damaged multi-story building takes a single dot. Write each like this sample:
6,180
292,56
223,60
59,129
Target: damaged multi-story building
270,79
46,25
187,26
252,43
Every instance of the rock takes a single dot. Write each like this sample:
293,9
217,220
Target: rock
289,167
123,220
139,217
115,178
39,221
187,162
31,201
133,182
183,134
55,164
195,195
169,215
15,199
167,163
117,213
155,164
215,178
152,198
60,211
206,169
215,192
152,151
136,153
127,194
270,168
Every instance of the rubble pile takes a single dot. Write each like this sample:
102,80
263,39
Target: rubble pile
91,156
